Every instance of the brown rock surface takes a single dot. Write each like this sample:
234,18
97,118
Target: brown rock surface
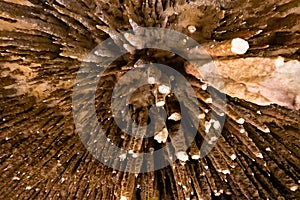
44,42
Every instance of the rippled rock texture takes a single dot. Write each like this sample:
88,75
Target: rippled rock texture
44,42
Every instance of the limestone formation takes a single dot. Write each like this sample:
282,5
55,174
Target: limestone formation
44,42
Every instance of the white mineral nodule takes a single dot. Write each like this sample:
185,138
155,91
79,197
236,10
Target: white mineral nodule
217,125
239,46
233,157
204,86
208,100
241,121
162,136
259,155
201,116
294,188
181,155
175,116
196,157
192,29
160,103
122,157
226,171
163,89
123,198
151,80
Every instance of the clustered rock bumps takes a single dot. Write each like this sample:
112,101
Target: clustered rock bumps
43,44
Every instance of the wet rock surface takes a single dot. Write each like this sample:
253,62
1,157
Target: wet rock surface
42,46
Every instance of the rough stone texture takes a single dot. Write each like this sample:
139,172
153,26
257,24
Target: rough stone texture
42,45
262,80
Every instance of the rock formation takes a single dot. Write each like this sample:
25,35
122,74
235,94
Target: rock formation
254,44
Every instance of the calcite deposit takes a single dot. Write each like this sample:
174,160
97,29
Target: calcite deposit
254,45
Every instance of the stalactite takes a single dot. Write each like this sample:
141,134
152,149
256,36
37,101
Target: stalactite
44,43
